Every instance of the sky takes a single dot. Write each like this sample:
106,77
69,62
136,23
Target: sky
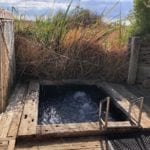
34,8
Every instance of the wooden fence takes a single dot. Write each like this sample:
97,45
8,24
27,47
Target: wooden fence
139,66
7,57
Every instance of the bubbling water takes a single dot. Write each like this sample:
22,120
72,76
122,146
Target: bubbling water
72,108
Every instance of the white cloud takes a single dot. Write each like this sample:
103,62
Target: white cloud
40,7
34,4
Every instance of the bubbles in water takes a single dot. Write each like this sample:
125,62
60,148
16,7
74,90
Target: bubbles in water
79,95
74,107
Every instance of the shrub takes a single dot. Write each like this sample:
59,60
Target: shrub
141,14
82,17
66,46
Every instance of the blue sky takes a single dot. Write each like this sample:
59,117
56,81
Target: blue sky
34,8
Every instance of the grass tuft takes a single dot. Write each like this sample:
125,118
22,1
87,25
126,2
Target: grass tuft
80,45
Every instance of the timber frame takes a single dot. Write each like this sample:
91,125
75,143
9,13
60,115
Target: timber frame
20,119
139,64
7,57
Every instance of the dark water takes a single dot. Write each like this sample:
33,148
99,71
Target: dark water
73,107
73,103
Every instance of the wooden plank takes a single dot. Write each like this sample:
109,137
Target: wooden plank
11,145
5,14
85,143
121,124
13,130
144,69
3,143
0,117
144,55
80,129
1,73
7,143
145,63
30,112
72,129
5,124
142,92
10,119
145,120
143,73
145,49
95,145
124,103
84,129
133,64
18,99
6,61
69,81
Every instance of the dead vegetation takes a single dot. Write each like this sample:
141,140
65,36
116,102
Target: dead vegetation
59,50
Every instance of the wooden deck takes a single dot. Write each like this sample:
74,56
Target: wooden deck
89,143
20,120
123,99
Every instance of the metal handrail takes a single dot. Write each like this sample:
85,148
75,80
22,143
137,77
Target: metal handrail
107,100
141,100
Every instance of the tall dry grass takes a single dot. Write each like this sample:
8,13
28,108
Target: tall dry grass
59,48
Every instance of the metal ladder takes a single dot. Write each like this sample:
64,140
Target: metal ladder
134,102
107,100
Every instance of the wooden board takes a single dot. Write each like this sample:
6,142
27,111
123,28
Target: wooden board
92,143
134,57
0,117
5,124
13,130
3,144
124,103
5,14
71,81
10,120
7,63
30,112
83,129
143,73
121,124
11,145
145,121
73,129
142,92
16,105
7,143
27,127
17,97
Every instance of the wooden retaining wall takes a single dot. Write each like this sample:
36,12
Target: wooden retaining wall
7,58
139,66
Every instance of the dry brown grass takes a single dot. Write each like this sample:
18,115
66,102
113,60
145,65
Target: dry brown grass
84,53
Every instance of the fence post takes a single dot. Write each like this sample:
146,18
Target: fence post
133,63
